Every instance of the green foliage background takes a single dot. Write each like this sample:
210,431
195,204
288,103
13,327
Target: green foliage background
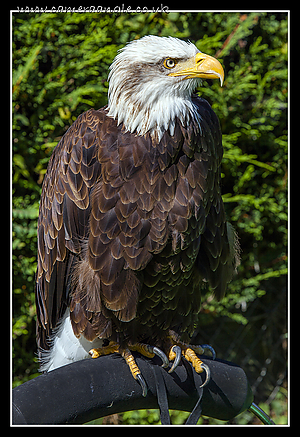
60,68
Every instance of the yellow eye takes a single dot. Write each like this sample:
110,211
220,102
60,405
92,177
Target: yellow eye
170,63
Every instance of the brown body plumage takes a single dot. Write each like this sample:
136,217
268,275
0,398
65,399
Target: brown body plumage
129,232
132,228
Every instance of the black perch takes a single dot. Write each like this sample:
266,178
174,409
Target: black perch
89,389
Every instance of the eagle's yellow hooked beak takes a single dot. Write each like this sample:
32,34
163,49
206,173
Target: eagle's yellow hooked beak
202,65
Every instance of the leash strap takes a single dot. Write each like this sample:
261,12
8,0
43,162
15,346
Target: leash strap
197,410
162,400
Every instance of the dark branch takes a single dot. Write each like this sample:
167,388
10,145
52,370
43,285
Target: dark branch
89,389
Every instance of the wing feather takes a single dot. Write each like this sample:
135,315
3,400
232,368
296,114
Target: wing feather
63,219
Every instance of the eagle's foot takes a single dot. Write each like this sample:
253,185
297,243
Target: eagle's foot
135,371
144,349
149,352
179,348
129,358
105,350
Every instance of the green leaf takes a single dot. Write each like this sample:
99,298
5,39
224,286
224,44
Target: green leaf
23,70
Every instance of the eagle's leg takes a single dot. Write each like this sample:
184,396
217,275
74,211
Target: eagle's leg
135,371
149,352
178,348
145,349
127,355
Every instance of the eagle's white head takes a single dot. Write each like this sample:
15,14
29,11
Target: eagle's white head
151,81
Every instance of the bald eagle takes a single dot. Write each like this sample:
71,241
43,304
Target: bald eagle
131,223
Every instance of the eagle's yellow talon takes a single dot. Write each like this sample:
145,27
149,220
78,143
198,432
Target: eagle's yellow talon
143,349
172,354
175,353
105,350
94,353
135,371
190,356
177,347
129,358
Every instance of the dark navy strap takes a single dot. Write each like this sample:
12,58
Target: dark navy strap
162,400
196,413
161,393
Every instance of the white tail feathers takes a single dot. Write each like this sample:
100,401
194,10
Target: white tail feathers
65,347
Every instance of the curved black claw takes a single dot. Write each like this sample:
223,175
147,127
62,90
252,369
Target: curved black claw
177,350
199,349
207,371
209,348
142,383
162,356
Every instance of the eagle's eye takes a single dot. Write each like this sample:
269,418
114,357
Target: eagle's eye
170,63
